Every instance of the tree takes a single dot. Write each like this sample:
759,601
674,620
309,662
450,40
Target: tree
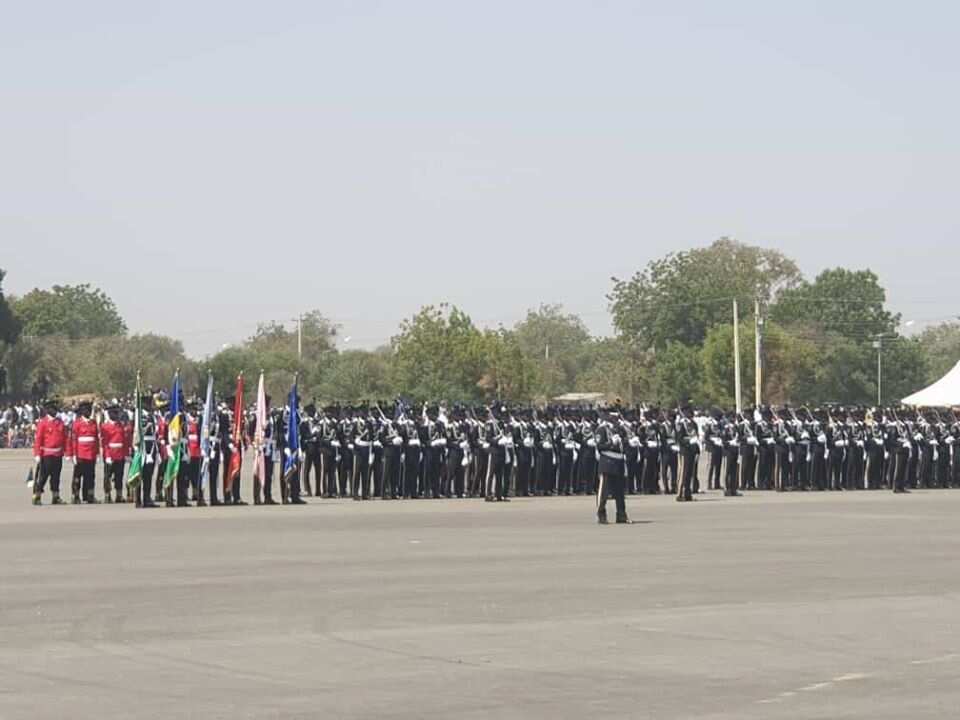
273,349
679,374
788,366
73,311
618,370
556,343
905,367
846,302
681,296
356,375
941,345
10,325
439,354
104,366
508,374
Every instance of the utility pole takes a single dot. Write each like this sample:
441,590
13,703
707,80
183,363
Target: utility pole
736,356
878,344
758,361
300,337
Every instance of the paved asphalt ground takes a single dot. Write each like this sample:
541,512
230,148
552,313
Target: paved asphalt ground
768,606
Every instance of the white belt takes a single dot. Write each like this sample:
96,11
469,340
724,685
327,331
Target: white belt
59,449
86,439
192,437
115,445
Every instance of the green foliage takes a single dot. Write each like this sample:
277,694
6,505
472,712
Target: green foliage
273,349
557,344
105,366
679,374
679,297
941,344
846,302
617,369
72,311
357,375
10,325
439,354
508,373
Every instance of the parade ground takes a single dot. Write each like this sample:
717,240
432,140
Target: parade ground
826,605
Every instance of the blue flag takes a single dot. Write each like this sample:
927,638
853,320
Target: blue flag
292,454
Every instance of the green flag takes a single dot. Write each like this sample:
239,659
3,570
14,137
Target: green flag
136,464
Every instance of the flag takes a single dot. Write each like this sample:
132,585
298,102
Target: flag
205,423
292,451
136,464
260,434
236,458
174,433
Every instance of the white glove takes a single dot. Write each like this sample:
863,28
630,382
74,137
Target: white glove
301,454
232,447
36,459
108,461
397,440
286,452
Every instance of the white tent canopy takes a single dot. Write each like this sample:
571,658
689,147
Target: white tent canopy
945,392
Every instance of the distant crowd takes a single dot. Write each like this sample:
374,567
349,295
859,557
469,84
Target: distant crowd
17,424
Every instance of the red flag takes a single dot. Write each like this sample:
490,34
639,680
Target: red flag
236,458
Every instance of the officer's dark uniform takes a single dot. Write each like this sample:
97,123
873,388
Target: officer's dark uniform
612,469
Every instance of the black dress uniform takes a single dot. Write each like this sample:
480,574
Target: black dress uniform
669,454
588,457
329,452
392,460
310,442
731,457
612,469
650,444
411,458
688,439
875,441
458,453
749,446
766,452
546,457
500,465
903,452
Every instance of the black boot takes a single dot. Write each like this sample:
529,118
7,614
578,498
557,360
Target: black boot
623,519
602,517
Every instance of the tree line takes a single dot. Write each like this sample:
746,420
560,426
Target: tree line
673,342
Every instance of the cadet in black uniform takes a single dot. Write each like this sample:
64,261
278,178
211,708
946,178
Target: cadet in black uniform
612,469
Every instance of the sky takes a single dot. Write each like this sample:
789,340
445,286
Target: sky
213,165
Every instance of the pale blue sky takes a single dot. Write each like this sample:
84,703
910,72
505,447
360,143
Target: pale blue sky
213,164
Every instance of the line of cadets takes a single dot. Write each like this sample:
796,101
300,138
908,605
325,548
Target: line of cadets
497,452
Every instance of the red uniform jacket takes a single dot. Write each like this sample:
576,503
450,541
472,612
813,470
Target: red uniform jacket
163,451
193,439
84,440
113,438
51,437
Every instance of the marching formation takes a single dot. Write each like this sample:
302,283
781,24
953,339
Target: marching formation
161,448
